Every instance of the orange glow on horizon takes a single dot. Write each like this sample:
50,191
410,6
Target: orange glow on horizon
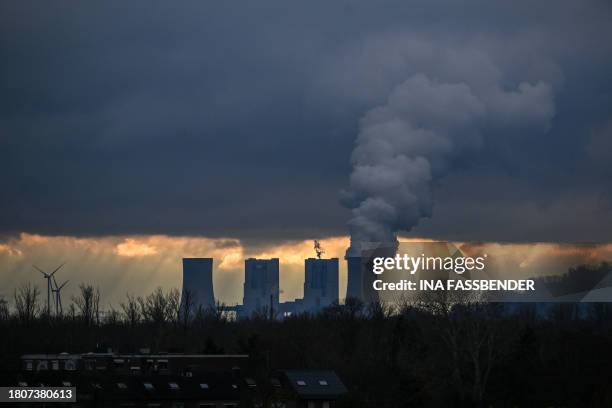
140,263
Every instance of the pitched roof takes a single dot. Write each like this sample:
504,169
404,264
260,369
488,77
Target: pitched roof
315,384
211,386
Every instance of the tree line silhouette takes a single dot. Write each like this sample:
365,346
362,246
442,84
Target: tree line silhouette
442,349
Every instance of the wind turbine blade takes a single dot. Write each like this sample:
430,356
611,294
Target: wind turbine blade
57,269
63,284
40,270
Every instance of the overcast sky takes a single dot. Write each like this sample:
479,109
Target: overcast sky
238,119
135,133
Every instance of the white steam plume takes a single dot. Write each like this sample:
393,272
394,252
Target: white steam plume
407,144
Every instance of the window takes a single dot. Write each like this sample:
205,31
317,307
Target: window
54,365
148,386
325,404
204,386
96,385
301,383
122,386
251,382
173,386
42,365
234,386
70,365
311,404
323,382
28,365
275,382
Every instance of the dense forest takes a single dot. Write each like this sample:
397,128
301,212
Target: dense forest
431,352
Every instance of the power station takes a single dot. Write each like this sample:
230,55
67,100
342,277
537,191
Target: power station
197,282
320,283
261,285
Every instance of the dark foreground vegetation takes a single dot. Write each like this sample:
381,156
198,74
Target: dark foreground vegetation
415,354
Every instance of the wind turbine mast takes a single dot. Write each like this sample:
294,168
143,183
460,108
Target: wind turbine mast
59,310
48,277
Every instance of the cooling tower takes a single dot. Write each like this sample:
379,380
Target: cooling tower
354,283
197,278
360,280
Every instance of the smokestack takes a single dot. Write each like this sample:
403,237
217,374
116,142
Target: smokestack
197,278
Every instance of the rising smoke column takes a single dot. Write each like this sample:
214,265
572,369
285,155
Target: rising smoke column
406,145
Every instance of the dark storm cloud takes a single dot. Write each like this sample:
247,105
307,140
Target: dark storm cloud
238,119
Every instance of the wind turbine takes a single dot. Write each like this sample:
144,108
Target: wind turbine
59,310
48,277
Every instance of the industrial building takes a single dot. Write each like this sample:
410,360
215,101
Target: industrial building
197,280
320,283
261,286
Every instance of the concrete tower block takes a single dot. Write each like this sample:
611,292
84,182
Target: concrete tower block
197,278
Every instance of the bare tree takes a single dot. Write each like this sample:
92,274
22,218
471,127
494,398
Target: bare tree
188,303
353,307
174,306
112,317
379,310
4,309
217,312
467,325
26,302
72,312
88,303
96,305
155,307
131,310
